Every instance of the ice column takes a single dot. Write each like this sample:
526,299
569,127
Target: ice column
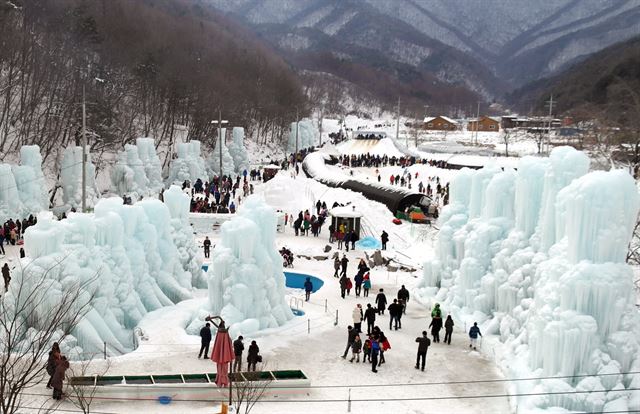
178,203
213,161
238,151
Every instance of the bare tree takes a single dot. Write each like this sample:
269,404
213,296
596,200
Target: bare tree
36,311
506,137
248,392
82,382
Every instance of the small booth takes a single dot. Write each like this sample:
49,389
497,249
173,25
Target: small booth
350,216
269,171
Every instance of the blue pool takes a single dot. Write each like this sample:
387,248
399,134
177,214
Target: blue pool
293,280
296,280
297,312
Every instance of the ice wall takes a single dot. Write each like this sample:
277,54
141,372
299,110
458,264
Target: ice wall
246,282
23,188
151,163
128,176
213,161
137,172
308,135
125,256
552,283
71,178
189,164
238,151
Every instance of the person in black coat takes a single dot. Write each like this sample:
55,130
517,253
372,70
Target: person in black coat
436,325
351,336
448,329
370,317
346,239
423,345
308,288
238,347
395,310
403,298
205,338
381,301
384,238
253,356
207,247
353,238
344,263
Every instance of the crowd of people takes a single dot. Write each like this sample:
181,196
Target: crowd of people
11,231
253,353
220,195
377,161
306,221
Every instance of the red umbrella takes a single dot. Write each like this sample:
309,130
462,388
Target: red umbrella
222,353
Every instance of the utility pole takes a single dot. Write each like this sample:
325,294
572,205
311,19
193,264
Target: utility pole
398,122
84,151
295,156
550,103
477,122
321,118
220,122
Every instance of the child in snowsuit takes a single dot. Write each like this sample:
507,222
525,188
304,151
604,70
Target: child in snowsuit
366,350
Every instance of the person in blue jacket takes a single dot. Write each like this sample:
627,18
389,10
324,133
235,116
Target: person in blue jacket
308,288
473,335
375,350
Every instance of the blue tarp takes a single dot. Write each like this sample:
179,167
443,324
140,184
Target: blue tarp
368,243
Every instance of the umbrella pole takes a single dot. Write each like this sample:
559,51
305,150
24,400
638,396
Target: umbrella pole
230,385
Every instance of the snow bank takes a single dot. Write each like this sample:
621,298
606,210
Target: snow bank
539,255
189,165
23,187
128,257
246,282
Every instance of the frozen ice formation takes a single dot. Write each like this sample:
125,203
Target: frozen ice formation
213,161
129,257
189,165
23,187
71,178
539,256
238,151
308,135
137,172
246,280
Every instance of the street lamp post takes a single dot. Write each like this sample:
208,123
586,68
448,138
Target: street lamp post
295,156
220,121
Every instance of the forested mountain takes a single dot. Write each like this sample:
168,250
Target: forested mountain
606,85
437,51
147,66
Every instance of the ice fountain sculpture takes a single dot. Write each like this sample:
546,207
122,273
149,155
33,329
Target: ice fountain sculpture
213,161
23,188
126,256
246,282
548,276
